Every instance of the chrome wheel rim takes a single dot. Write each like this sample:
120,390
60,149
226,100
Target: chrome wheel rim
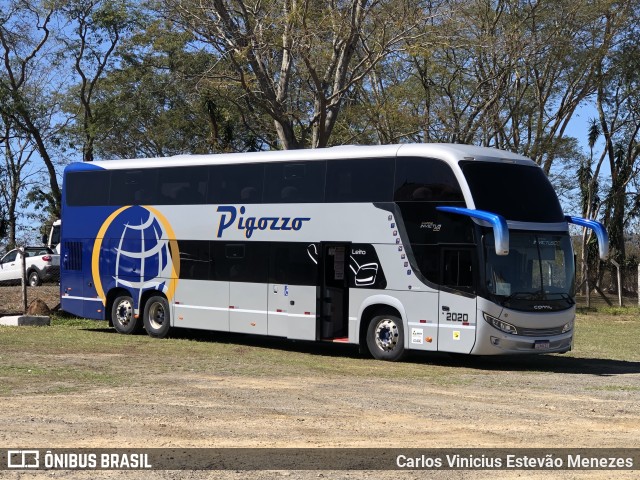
387,335
124,312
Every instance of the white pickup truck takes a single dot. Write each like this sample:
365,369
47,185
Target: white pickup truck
42,265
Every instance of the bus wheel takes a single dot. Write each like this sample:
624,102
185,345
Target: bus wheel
122,316
157,319
385,338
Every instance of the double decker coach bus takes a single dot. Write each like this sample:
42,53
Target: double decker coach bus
403,247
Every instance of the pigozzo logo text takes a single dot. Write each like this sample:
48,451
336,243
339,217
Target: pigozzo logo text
230,217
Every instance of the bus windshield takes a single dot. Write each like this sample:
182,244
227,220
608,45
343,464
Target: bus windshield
524,192
537,275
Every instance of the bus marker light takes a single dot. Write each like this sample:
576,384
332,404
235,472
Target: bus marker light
428,339
253,324
423,321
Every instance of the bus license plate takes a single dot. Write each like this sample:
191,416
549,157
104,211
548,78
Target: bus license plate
541,345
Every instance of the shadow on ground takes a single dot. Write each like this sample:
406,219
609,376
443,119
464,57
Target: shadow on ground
573,364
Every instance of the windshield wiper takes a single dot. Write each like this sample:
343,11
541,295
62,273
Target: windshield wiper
565,296
537,295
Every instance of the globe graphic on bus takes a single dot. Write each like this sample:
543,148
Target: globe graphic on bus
140,252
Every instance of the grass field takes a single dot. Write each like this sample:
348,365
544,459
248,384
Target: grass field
54,359
608,332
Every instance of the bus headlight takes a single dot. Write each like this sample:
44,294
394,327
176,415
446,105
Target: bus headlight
500,325
567,327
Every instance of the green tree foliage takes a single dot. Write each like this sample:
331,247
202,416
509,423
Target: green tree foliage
506,73
154,103
94,30
295,61
29,102
619,120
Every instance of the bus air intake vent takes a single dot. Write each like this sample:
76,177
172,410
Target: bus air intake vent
73,260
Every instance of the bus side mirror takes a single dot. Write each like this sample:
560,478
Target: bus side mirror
599,230
497,222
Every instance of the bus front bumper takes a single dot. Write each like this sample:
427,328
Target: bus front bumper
491,341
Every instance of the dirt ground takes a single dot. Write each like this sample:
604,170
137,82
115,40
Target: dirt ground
11,297
556,402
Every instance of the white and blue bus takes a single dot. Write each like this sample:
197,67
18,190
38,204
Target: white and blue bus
430,247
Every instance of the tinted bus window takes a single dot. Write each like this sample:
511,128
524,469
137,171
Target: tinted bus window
195,259
457,270
293,264
517,192
241,262
242,183
360,180
424,180
427,258
182,185
133,187
294,182
87,188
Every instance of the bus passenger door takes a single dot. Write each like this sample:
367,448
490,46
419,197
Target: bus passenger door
457,302
334,292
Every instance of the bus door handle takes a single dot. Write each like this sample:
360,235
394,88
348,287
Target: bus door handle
445,308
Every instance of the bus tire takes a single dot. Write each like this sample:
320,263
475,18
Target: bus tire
385,338
122,317
157,317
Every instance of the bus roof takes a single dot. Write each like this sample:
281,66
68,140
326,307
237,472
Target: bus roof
452,153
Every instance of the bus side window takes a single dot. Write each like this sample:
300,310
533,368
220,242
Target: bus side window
241,183
428,260
292,263
294,182
246,262
195,259
133,187
458,269
425,180
360,180
182,185
86,189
